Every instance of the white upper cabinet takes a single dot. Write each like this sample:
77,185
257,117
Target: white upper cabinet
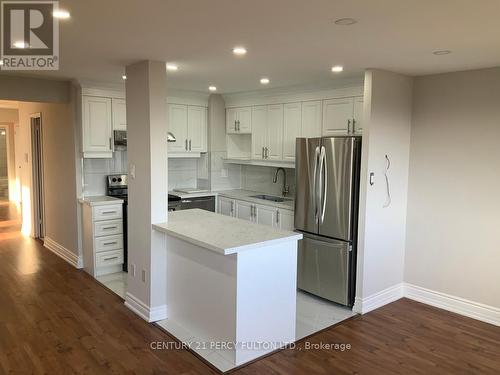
267,132
358,116
239,120
259,131
197,129
342,116
177,125
292,129
311,119
275,132
119,114
189,126
97,127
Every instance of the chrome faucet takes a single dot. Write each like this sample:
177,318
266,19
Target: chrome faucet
285,189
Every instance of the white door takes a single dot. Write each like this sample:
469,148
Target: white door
358,115
275,132
119,114
337,116
266,215
311,119
225,206
285,219
197,129
245,120
244,210
97,125
259,131
177,125
292,123
231,118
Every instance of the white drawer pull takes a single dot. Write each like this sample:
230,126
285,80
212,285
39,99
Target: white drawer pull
110,243
107,228
110,258
108,212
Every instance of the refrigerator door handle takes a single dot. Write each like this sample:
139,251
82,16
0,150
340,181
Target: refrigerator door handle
324,187
315,178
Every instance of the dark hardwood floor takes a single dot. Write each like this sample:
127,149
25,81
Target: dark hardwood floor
55,319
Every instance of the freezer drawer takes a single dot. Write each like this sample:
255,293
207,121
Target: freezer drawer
323,268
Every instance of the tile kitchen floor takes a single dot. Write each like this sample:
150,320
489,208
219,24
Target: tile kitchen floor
116,282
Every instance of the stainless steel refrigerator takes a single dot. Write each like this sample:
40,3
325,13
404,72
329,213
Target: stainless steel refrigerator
326,211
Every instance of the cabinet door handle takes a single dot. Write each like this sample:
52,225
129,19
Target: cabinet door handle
109,243
232,207
189,145
235,125
263,155
108,212
238,125
353,125
186,144
348,126
267,153
277,217
110,258
107,228
110,144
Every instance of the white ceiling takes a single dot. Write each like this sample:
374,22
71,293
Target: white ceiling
292,42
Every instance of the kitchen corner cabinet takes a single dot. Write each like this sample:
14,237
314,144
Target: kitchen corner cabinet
97,128
239,120
342,116
189,126
267,132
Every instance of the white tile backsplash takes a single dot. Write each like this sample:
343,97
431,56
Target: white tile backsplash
182,173
95,172
260,178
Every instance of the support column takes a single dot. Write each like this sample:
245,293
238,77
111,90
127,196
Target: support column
146,99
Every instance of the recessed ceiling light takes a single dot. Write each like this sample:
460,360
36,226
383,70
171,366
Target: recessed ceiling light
442,52
337,68
172,67
345,21
212,88
239,51
20,44
124,77
61,14
264,81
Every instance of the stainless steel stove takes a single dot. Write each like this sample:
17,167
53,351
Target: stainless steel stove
117,187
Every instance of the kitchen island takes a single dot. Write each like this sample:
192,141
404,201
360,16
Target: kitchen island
231,285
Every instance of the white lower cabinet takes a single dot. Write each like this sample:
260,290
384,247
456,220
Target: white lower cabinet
102,238
256,213
225,206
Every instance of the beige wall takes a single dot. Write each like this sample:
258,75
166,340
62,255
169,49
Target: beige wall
34,89
9,119
59,169
453,219
386,131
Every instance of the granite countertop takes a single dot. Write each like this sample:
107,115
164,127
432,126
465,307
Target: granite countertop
222,234
100,200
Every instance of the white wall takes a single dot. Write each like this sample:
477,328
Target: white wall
58,130
386,131
454,201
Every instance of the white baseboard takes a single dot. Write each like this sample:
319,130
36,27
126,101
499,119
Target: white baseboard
475,310
384,297
144,311
70,257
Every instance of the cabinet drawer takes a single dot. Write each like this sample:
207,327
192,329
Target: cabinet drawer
108,227
108,243
109,258
107,212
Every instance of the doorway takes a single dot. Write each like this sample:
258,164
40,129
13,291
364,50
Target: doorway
4,164
37,173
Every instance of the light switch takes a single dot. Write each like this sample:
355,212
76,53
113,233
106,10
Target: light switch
372,178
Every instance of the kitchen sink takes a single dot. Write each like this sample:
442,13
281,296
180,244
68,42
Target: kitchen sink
271,198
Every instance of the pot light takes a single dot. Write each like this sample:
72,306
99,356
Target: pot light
124,77
61,14
20,44
212,88
264,81
345,21
442,52
337,68
239,51
172,67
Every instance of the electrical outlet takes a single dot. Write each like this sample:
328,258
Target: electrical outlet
143,276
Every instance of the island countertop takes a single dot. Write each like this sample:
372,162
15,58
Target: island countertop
222,234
